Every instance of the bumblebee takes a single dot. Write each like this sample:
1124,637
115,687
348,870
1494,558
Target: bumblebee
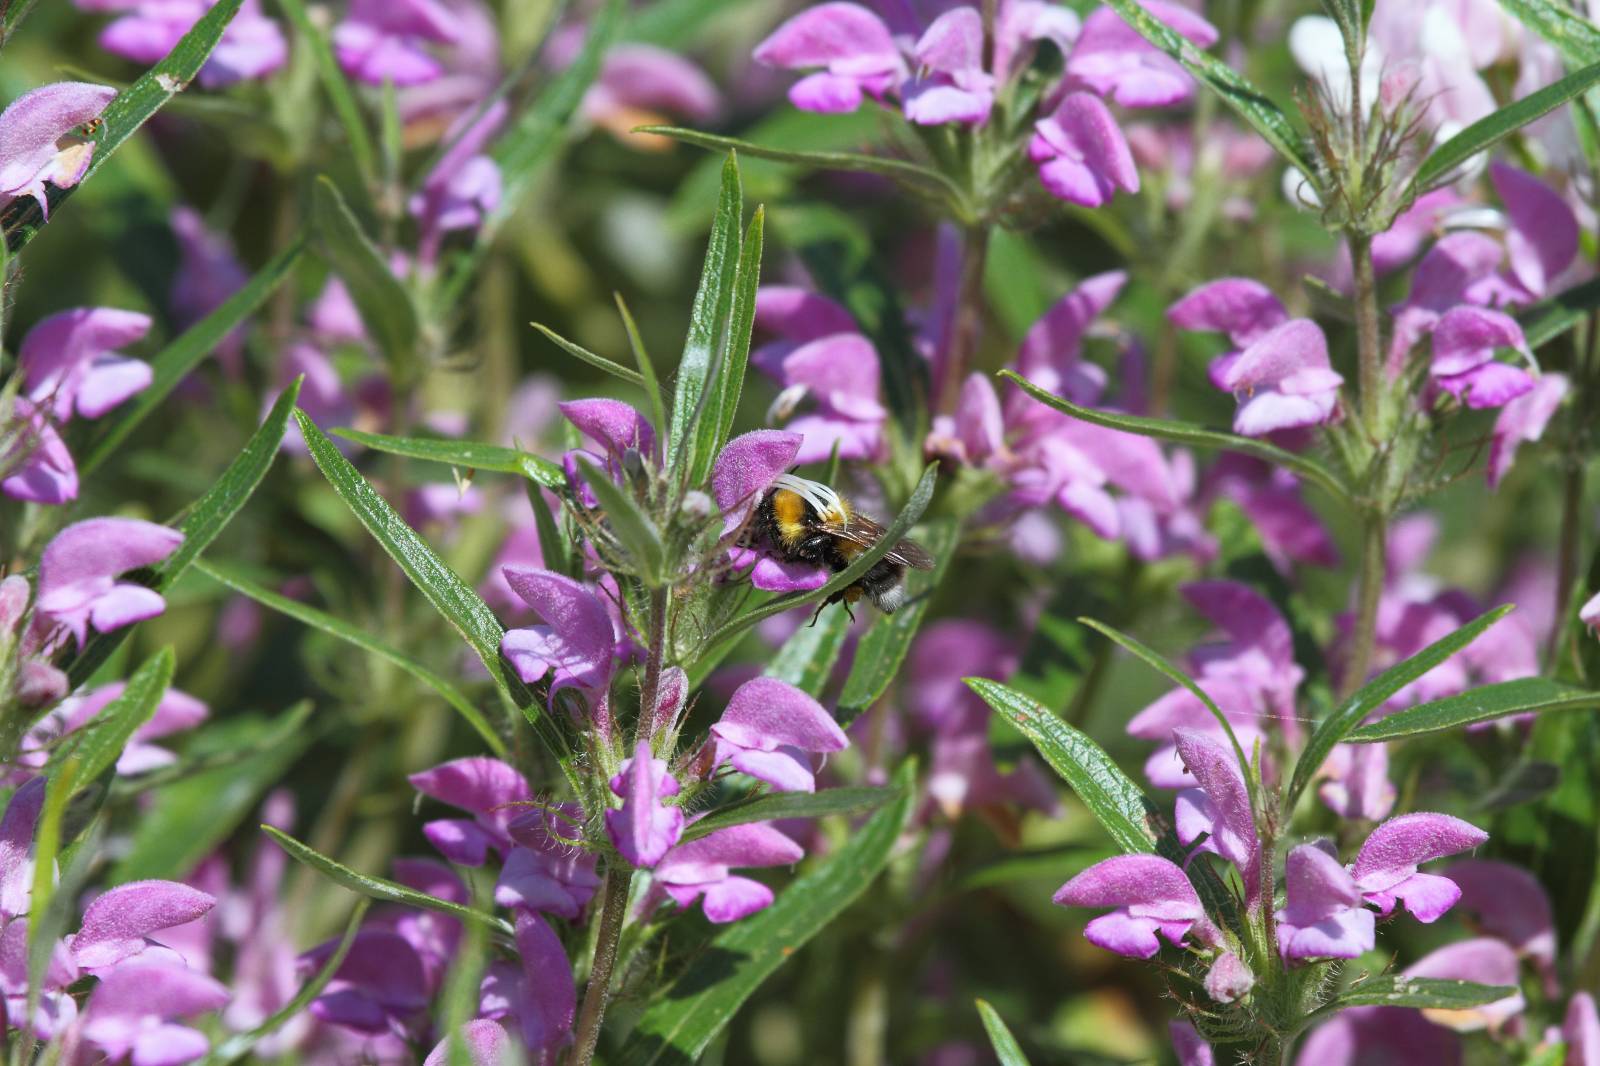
805,521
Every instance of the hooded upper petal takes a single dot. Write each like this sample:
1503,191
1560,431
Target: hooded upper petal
1243,308
69,360
118,921
1233,828
1386,867
645,828
747,467
1543,239
1084,157
578,639
78,568
30,128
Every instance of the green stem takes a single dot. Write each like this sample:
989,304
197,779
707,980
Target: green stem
613,909
650,689
1370,366
1369,589
1567,553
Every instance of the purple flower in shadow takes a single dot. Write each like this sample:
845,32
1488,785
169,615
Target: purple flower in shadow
702,870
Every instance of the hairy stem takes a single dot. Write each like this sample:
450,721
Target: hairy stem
1370,366
1369,589
650,689
613,909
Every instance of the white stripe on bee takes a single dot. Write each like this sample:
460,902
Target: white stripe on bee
826,502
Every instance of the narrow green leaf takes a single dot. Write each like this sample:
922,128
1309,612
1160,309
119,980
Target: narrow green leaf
1575,37
1005,1045
174,362
384,303
49,906
12,12
1488,131
1251,104
736,359
1162,665
678,1026
1543,322
97,746
582,354
453,598
1348,715
1188,433
897,531
558,555
713,301
884,648
1115,801
521,150
1425,993
21,220
207,518
633,528
236,1047
898,169
1527,695
376,887
188,819
469,455
338,627
807,658
336,86
212,512
790,805
647,369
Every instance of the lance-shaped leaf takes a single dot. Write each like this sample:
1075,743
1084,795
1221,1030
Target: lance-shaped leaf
594,359
1116,802
633,528
884,648
1491,129
1188,433
1348,715
1575,37
465,454
130,109
708,322
1425,993
384,303
452,597
729,379
911,174
807,658
377,887
1526,695
338,627
1006,1048
773,805
647,369
206,519
174,362
98,745
1251,104
677,1027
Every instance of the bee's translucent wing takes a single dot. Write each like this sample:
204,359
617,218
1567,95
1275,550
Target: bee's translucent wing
859,529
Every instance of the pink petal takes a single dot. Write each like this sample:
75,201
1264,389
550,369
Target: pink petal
476,783
1156,886
1467,336
1523,419
733,898
612,424
785,770
766,713
1543,239
486,1042
1244,309
579,640
32,124
117,922
822,34
745,469
1395,848
124,605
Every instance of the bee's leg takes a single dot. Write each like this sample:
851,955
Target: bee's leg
847,610
815,615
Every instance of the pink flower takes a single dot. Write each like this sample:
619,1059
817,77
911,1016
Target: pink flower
1523,419
1219,807
78,571
1150,895
577,641
769,731
645,828
36,466
1464,343
36,146
852,46
463,188
385,40
252,46
1324,918
702,870
69,361
1082,155
952,84
1385,870
133,1011
1115,61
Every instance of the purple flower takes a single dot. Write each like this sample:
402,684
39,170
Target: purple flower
1188,1046
952,84
1358,785
1581,1031
1508,902
769,731
1363,1036
252,46
542,997
490,789
701,870
208,273
36,464
486,1042
1523,419
380,986
1542,240
747,467
1114,60
117,924
1269,495
78,569
1150,895
1286,380
1385,869
36,146
548,870
1464,343
1219,807
385,40
134,1009
1244,309
463,188
69,361
855,50
575,644
613,425
821,358
1324,918
645,828
640,84
1082,155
